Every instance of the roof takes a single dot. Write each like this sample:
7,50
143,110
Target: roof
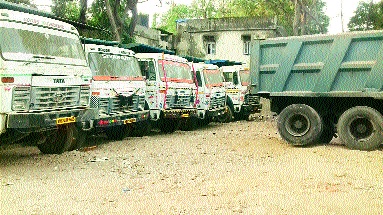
85,40
193,59
220,63
143,48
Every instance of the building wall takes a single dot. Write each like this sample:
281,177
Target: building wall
228,33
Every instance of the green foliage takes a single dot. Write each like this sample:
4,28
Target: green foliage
168,20
282,10
368,16
66,9
22,2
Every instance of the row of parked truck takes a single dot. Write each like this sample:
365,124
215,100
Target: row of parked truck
53,93
56,89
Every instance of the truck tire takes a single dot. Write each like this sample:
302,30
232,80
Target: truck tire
188,124
118,132
300,124
360,128
59,140
141,129
79,139
168,125
227,116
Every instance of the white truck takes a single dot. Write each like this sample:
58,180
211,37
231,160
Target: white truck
170,90
241,103
45,82
211,94
118,90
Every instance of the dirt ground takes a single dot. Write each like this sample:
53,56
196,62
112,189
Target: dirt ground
236,168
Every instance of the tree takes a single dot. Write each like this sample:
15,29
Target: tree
66,9
176,12
368,16
22,2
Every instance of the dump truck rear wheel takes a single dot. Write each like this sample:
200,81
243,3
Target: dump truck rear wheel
300,124
361,128
59,140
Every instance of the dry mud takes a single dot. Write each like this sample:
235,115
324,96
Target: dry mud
236,168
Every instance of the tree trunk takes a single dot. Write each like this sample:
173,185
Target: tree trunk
133,21
83,9
297,12
112,20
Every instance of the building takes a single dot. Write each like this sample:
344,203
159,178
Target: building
224,38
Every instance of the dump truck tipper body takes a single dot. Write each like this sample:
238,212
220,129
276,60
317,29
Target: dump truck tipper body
323,84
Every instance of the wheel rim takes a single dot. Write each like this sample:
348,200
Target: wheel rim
361,128
298,125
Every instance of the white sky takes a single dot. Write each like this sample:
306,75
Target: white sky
333,10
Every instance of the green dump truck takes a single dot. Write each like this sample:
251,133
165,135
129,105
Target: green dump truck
322,85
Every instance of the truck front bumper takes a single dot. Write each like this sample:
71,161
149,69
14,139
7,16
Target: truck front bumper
122,118
179,113
34,121
216,112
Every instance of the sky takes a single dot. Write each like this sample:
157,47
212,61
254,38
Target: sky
332,10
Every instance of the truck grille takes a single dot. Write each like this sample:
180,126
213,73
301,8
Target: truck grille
251,99
113,105
21,96
178,101
217,102
54,97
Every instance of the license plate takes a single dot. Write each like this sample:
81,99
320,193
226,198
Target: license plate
127,121
65,120
185,115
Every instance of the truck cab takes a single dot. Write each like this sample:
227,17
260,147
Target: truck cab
118,89
211,94
45,82
241,102
170,90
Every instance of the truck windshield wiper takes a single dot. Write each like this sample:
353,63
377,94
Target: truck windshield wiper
42,57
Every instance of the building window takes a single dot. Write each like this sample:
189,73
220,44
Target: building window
246,44
209,44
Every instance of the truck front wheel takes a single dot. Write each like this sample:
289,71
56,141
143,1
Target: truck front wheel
59,140
300,124
361,128
118,132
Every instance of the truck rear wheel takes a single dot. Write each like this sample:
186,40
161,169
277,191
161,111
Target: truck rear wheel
118,132
300,124
59,140
361,128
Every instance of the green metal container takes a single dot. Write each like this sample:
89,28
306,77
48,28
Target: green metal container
321,85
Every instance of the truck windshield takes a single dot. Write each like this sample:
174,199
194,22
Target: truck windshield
103,64
41,45
245,77
228,76
213,77
148,69
179,72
